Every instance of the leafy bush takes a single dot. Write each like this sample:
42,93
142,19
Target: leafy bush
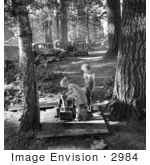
48,82
11,72
12,94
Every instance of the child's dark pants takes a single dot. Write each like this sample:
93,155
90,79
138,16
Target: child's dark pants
88,94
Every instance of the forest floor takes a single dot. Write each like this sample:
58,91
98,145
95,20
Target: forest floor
122,135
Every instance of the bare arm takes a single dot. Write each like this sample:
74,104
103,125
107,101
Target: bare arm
93,77
84,75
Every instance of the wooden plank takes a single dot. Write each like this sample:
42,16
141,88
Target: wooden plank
95,120
100,121
55,131
53,127
43,106
48,117
74,125
52,104
70,132
72,128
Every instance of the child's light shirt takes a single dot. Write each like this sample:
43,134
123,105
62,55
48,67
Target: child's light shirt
89,79
79,93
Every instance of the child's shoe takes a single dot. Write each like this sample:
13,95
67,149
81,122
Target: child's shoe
77,119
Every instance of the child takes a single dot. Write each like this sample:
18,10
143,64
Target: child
74,91
89,80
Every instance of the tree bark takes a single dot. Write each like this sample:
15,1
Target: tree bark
88,30
80,22
114,26
57,25
63,22
129,95
30,118
48,31
32,28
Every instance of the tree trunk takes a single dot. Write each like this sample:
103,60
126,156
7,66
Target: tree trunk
32,28
88,30
101,29
114,26
80,20
57,25
30,118
129,96
63,22
48,31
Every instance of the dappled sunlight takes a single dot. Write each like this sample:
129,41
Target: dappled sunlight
78,62
117,123
71,73
91,58
104,65
97,52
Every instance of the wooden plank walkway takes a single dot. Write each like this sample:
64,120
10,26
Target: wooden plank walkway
43,106
53,127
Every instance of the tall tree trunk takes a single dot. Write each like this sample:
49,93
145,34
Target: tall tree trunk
30,118
114,26
80,18
88,29
48,31
77,26
63,22
32,28
101,30
130,82
57,20
57,26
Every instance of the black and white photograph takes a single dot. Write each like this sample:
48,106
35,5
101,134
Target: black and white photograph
75,77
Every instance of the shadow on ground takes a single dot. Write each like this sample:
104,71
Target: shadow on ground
122,135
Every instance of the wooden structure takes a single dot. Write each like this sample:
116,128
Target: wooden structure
54,127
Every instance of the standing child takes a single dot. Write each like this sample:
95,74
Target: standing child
89,80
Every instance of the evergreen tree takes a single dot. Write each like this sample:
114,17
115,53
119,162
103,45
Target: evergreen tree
129,96
30,118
